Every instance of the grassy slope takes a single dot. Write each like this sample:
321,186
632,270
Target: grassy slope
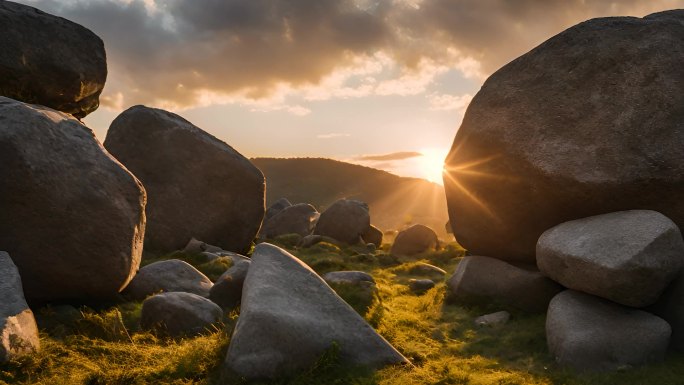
439,338
394,201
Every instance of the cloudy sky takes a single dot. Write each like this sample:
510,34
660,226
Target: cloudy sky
382,83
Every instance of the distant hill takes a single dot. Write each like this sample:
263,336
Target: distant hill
394,201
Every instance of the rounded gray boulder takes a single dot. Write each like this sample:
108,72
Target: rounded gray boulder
483,280
49,60
588,333
296,219
345,220
628,257
180,314
414,240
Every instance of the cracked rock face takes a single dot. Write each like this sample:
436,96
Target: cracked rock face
588,122
18,330
50,61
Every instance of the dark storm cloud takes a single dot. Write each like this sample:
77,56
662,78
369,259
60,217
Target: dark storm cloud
393,156
174,48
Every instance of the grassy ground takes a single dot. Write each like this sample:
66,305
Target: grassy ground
104,345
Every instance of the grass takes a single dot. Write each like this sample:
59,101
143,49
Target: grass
105,346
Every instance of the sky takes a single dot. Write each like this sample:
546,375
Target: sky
382,83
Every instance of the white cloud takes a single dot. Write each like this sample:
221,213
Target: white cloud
446,102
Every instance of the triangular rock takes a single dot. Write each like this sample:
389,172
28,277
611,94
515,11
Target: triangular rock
289,317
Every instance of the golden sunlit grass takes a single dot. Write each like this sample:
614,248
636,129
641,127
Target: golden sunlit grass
438,337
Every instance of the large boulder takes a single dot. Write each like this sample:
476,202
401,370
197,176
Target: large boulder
167,276
180,314
49,60
587,123
588,333
289,317
628,257
345,220
198,186
71,216
483,280
414,240
296,219
18,330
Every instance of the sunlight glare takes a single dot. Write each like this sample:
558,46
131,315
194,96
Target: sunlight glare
432,164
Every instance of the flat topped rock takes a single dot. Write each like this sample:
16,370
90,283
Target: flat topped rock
628,257
289,317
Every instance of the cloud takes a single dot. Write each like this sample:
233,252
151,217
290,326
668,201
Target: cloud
446,102
176,53
332,135
389,157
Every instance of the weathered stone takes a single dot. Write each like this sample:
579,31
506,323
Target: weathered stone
18,330
198,185
414,240
421,285
670,307
49,60
196,246
227,290
289,317
296,219
345,220
168,276
71,216
373,235
422,268
484,280
277,207
588,122
628,257
179,314
588,333
493,320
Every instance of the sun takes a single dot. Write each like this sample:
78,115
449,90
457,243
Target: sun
432,164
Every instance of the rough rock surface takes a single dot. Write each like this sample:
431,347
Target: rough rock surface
289,317
349,276
49,60
589,122
484,280
345,220
296,219
277,207
588,333
373,235
421,285
180,314
628,257
198,186
414,240
71,216
168,276
196,246
18,330
227,290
